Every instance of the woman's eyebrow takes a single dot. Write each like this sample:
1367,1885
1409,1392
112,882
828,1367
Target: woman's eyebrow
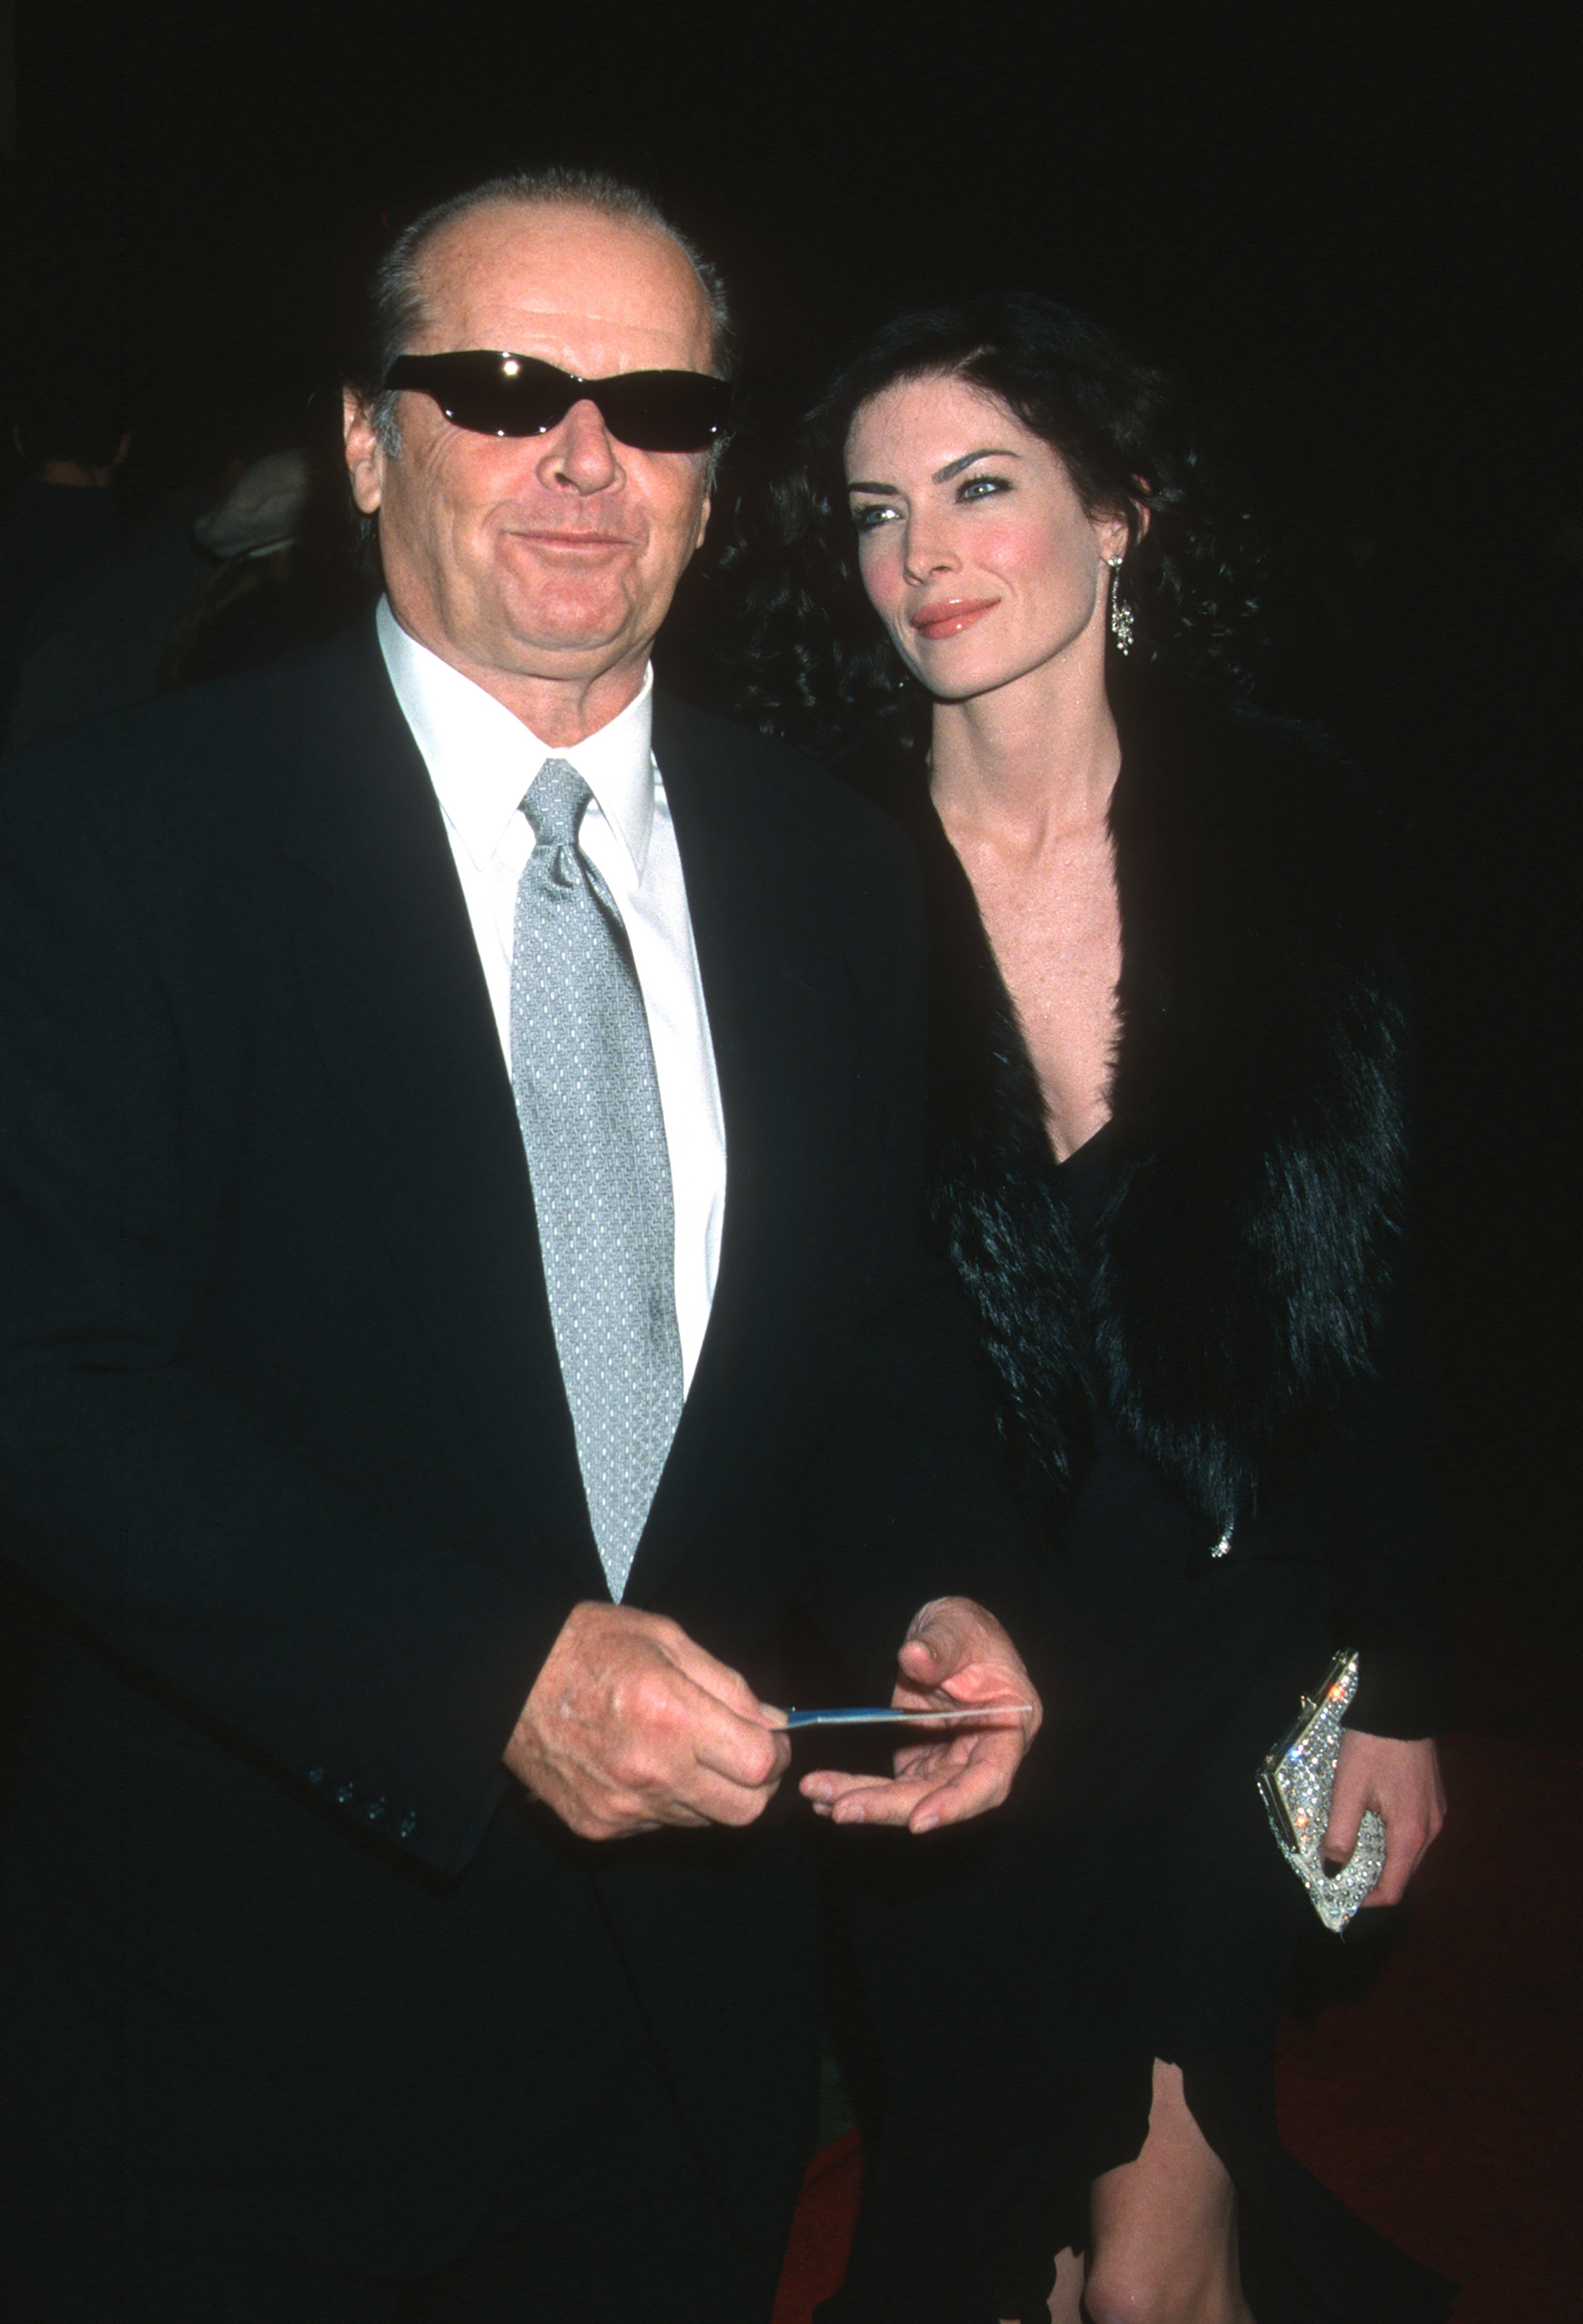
943,475
954,468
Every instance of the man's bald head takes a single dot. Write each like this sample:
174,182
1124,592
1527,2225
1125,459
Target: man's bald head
397,302
541,564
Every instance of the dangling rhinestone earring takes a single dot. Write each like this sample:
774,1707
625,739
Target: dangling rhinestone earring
1121,612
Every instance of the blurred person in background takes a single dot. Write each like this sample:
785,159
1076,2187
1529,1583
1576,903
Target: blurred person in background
70,435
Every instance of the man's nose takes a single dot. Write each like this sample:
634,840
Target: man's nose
581,452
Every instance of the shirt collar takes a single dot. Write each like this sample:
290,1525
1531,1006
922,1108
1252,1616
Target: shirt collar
481,758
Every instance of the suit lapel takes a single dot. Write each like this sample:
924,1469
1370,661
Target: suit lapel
771,1036
396,994
394,986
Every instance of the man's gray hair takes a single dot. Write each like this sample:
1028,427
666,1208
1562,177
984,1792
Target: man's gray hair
395,296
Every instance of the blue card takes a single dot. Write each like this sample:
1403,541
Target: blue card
875,1715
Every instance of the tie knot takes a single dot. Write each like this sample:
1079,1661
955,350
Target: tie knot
554,805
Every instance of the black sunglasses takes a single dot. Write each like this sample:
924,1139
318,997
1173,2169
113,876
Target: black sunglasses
517,395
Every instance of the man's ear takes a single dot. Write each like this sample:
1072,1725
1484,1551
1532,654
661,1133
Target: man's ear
365,452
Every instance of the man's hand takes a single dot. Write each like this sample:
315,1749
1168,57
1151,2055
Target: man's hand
954,1653
1402,1783
631,1727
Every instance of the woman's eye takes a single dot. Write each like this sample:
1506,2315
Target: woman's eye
873,514
979,488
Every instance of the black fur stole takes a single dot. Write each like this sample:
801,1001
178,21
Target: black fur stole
1236,1277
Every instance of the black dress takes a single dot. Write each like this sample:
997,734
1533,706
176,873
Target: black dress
1023,1976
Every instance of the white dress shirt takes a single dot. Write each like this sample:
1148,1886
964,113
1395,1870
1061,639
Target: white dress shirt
481,761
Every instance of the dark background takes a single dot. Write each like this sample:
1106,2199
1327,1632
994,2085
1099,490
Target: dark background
1356,233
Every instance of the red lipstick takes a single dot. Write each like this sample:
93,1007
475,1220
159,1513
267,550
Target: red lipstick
957,613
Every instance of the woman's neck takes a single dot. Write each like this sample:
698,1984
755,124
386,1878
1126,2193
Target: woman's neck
1032,762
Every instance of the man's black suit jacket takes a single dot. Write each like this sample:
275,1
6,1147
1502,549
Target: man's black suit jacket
287,1457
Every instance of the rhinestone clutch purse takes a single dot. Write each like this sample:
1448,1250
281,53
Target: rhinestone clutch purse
1295,1783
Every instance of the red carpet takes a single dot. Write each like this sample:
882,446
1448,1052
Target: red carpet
1444,2106
816,2256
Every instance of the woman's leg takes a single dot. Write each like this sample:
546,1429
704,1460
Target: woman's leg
1163,2247
1163,2241
1066,2301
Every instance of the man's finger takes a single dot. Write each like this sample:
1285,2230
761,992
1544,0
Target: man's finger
864,1799
928,1658
982,1783
925,1761
626,1730
938,1791
741,1749
957,1653
940,1639
719,1680
685,1748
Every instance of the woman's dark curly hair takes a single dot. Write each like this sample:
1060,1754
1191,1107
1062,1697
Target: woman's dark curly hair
810,659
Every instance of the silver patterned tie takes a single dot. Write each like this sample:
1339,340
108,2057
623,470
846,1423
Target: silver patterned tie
590,1106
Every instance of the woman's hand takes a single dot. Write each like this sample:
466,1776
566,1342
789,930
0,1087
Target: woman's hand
1402,1783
